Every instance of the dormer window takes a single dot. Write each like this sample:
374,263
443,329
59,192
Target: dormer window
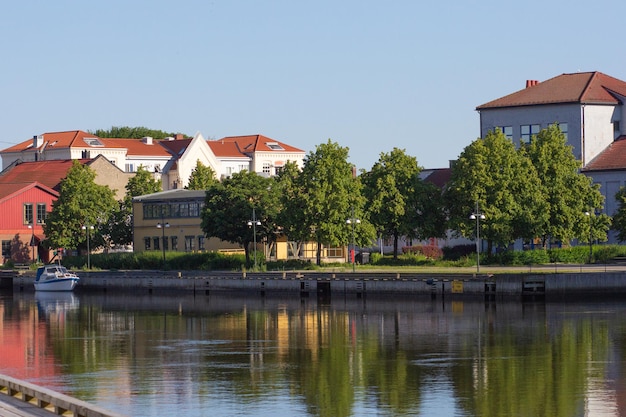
275,146
93,142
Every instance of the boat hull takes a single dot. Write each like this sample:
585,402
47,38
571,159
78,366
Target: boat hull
59,284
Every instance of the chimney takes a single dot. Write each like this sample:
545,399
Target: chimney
147,140
179,136
37,141
531,83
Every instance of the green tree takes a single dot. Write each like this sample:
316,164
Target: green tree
568,193
291,210
492,175
128,132
329,195
202,177
619,219
400,203
232,204
81,202
119,228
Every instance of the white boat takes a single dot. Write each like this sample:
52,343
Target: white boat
55,278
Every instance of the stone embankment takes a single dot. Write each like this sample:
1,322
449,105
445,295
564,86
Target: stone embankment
305,283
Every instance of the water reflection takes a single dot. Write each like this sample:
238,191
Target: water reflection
170,355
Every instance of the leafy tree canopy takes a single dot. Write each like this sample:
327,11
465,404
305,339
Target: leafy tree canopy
81,202
128,132
202,177
236,201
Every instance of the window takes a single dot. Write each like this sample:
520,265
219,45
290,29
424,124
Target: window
146,242
190,243
267,167
156,240
93,142
528,131
6,249
41,213
194,210
200,242
275,146
507,130
563,127
335,252
174,240
130,167
28,213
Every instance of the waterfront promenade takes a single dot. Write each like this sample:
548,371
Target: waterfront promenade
549,280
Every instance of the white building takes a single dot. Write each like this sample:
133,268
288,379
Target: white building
589,109
171,159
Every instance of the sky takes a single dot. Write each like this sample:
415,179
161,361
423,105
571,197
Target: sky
368,75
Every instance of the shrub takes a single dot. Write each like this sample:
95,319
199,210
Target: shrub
429,251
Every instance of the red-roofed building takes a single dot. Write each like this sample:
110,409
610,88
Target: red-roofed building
24,207
171,159
589,109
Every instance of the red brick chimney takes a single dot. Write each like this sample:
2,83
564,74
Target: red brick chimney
531,83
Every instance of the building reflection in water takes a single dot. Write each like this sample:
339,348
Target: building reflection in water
168,354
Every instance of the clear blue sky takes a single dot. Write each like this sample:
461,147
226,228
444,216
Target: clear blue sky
369,75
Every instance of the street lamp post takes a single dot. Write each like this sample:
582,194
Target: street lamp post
254,223
163,225
478,216
87,228
590,237
353,221
32,240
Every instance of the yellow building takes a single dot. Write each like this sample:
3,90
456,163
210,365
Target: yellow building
171,221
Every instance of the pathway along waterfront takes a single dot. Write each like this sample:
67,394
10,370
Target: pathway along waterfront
549,281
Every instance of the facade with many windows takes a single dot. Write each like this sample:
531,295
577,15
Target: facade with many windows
170,220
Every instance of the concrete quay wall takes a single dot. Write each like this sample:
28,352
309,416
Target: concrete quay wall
306,282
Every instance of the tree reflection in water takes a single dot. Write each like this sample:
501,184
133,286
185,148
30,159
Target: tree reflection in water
170,355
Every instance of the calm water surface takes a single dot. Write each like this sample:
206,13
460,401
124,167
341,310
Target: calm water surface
220,355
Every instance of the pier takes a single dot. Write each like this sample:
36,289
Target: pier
22,399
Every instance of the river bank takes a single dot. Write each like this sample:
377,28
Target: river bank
547,281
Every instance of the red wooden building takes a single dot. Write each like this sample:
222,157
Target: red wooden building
23,211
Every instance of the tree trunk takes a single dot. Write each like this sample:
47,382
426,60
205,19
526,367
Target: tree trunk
395,246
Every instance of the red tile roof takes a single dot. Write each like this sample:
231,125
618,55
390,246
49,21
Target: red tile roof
258,143
75,139
48,173
583,87
225,149
611,159
175,147
54,139
136,147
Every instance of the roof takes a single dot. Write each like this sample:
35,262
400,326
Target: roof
439,177
175,147
258,143
9,190
582,87
48,173
225,149
610,159
176,194
81,139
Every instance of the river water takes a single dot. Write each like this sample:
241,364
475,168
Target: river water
226,355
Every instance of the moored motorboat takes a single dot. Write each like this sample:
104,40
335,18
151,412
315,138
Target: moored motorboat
55,278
